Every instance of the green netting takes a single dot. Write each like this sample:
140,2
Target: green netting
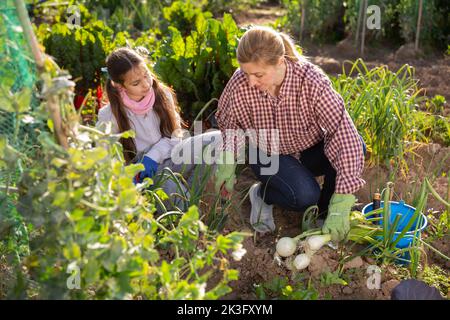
18,76
18,80
17,72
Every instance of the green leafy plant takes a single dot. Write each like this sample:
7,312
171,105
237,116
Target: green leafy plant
328,278
199,66
280,288
433,126
432,123
131,16
390,29
436,277
182,15
90,217
438,226
219,7
322,19
433,23
91,223
385,249
80,50
89,107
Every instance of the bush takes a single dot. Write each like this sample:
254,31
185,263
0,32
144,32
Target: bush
434,24
182,16
390,28
199,66
323,19
96,235
80,50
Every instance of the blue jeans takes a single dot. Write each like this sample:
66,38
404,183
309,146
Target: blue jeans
294,186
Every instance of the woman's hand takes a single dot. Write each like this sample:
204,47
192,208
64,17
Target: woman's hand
225,174
337,222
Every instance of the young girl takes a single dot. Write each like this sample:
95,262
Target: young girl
141,102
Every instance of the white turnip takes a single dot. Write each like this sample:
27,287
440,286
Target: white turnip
302,261
286,247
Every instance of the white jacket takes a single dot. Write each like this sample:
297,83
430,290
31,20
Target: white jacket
148,135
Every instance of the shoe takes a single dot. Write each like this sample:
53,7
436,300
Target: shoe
261,216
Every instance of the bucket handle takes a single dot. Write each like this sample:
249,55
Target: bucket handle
393,193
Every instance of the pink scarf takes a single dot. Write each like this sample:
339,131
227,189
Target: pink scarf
141,107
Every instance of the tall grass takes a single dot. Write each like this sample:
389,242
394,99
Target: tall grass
382,103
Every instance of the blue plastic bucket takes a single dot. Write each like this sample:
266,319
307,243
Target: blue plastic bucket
406,212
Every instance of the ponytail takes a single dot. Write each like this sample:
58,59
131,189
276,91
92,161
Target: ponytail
290,52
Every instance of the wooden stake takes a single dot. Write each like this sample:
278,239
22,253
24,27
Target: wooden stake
28,32
359,22
419,20
302,21
363,36
52,101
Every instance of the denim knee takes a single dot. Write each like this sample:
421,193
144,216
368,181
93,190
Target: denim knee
307,197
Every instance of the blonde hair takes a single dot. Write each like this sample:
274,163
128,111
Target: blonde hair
263,44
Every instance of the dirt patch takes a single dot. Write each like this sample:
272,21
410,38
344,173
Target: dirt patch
264,14
258,265
432,70
427,160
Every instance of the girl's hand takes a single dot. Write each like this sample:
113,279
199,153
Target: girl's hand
150,168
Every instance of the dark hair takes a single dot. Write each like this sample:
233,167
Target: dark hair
118,63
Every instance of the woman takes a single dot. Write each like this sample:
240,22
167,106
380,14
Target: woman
275,89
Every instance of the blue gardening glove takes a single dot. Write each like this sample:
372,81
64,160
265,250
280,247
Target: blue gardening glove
226,167
337,222
150,165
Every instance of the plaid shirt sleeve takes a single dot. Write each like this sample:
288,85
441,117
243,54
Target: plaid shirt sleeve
227,120
343,145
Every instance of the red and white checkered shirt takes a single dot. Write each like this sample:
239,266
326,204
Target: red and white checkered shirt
306,111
